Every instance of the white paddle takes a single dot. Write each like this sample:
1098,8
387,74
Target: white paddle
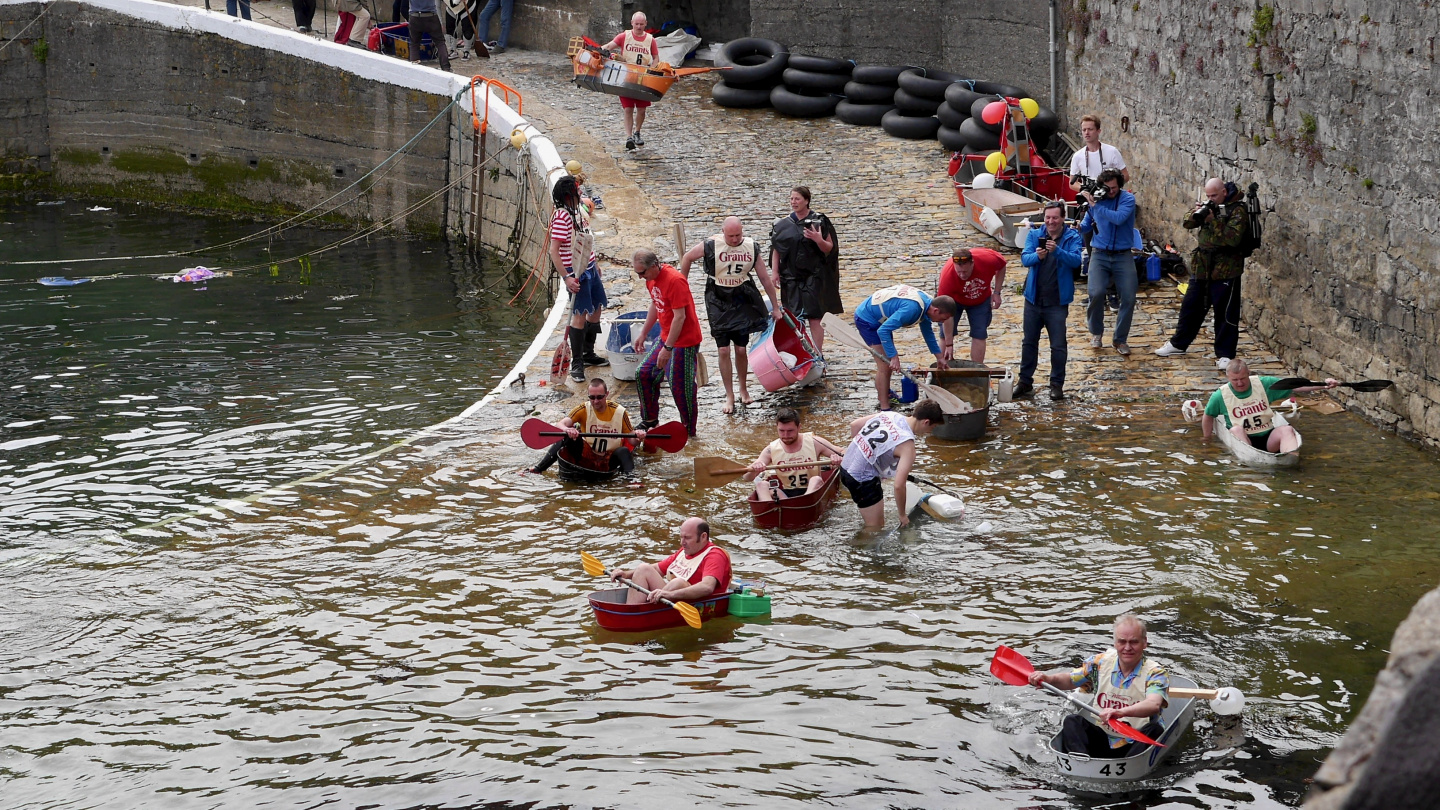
1225,701
845,333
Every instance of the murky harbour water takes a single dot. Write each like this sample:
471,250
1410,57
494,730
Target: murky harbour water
412,631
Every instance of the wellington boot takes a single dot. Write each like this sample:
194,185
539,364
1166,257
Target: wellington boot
577,359
592,331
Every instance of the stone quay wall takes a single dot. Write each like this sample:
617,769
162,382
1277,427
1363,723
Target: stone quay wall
153,101
1330,107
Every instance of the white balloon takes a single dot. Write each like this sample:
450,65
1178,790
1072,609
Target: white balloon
1230,701
983,180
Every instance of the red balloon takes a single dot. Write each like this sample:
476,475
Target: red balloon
994,112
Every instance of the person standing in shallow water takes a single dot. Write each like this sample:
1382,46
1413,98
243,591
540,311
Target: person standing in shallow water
805,261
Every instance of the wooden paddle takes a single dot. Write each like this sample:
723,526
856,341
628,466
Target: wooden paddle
595,568
845,333
713,471
670,437
1363,386
1014,669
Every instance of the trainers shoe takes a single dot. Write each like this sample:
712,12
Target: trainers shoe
494,47
1022,389
1169,349
599,203
577,371
1123,349
1056,393
639,141
1096,341
630,143
595,360
1222,362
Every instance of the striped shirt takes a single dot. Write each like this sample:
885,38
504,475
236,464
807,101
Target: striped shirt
562,229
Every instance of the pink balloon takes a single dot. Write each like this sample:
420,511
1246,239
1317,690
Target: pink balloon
993,113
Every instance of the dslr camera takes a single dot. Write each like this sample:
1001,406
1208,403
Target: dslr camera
811,220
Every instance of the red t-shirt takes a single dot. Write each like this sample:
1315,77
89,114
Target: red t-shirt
670,292
976,289
716,564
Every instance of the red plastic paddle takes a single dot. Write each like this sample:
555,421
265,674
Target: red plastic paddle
670,437
1014,669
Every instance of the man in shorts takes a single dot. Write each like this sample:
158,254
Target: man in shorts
793,447
882,445
1244,403
637,48
893,308
973,277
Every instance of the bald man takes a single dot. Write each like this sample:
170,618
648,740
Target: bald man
1222,224
638,48
732,303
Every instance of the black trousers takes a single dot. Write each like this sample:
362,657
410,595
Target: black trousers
1200,298
621,459
421,23
304,12
1080,736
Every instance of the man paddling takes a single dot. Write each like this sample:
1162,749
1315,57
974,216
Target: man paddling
1244,403
882,445
698,569
893,308
793,447
732,302
599,414
1128,686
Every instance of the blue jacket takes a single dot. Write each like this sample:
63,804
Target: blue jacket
898,313
1067,257
1112,221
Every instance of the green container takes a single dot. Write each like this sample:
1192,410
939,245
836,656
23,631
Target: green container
748,604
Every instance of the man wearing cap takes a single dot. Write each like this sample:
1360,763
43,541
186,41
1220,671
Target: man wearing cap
973,277
732,302
677,351
699,569
896,308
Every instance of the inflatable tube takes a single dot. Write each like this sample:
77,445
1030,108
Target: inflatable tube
914,127
951,117
741,75
796,79
790,103
861,93
950,139
998,89
740,97
878,74
1044,126
927,83
977,108
961,97
819,64
912,105
977,136
864,115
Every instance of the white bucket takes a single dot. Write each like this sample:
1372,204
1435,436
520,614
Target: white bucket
1006,387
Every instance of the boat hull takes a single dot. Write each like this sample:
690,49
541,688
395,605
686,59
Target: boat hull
1175,717
593,71
785,334
790,514
612,613
1252,456
997,212
579,473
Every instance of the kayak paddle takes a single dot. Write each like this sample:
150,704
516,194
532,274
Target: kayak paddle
1014,669
845,333
670,437
714,471
595,568
1363,386
927,482
1224,701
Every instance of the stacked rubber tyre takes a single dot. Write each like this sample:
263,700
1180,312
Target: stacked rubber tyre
869,95
917,99
964,130
756,67
812,86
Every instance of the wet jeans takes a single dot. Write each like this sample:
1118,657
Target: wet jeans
1052,320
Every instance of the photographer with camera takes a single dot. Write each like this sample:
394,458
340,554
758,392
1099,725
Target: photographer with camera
1215,267
805,261
1110,219
1095,157
1052,255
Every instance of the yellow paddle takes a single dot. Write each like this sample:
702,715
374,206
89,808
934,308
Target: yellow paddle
595,568
714,471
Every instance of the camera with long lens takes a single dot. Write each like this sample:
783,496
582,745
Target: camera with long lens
1091,185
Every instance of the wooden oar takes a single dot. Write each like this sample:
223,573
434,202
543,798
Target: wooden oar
1014,669
670,437
595,568
714,471
845,333
1363,386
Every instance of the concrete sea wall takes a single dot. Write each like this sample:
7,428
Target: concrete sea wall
152,101
1330,107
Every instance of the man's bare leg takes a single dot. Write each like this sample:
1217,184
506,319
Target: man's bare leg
882,382
874,515
977,350
1282,440
646,576
726,378
742,369
817,334
629,121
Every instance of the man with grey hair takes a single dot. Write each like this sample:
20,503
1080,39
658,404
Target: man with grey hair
1243,403
1128,686
676,353
637,47
1222,224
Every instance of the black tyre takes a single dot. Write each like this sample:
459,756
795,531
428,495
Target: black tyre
927,83
950,139
913,105
977,136
869,93
810,81
961,97
794,104
819,64
1044,126
978,108
742,75
914,127
740,97
865,115
951,117
877,74
998,89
